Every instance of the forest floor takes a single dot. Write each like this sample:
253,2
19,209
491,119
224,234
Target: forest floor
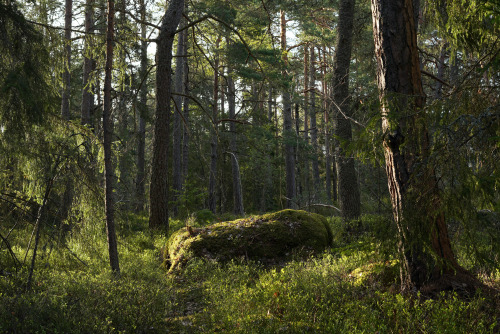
350,288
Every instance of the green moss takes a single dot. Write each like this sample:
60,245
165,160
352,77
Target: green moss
269,238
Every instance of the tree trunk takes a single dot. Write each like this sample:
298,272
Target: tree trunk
124,184
349,196
314,127
177,135
106,122
143,110
288,133
327,132
185,137
88,67
68,18
237,191
412,182
158,194
212,197
306,163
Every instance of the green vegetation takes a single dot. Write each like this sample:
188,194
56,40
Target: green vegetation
350,287
270,237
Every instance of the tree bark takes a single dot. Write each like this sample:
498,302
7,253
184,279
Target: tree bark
237,190
158,194
349,197
177,135
185,137
288,133
412,182
88,66
68,18
314,127
327,132
143,110
306,163
106,122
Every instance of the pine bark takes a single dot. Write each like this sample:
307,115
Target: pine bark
88,66
68,20
288,133
416,204
185,109
314,126
106,120
349,197
177,135
327,132
143,110
158,216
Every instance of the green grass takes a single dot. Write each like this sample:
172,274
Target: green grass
350,288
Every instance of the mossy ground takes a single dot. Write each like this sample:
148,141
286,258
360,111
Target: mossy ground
323,293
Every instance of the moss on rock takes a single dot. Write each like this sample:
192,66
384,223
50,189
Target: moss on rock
268,238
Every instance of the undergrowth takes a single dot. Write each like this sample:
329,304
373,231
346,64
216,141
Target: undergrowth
350,288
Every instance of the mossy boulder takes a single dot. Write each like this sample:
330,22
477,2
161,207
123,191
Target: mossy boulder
269,238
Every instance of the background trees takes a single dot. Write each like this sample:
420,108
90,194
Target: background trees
270,109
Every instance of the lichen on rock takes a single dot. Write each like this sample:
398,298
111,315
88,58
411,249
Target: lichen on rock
268,238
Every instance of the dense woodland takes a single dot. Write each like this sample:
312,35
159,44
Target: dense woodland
124,121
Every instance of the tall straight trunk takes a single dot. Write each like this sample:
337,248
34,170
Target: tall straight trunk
237,190
143,110
185,108
288,133
314,127
349,196
300,184
327,132
124,186
68,18
158,194
212,197
177,135
416,204
68,194
305,161
106,123
88,66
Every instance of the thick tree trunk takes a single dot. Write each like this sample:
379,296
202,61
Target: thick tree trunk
327,132
237,190
158,216
106,120
68,18
185,136
88,66
143,110
349,196
177,135
412,183
212,197
288,133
